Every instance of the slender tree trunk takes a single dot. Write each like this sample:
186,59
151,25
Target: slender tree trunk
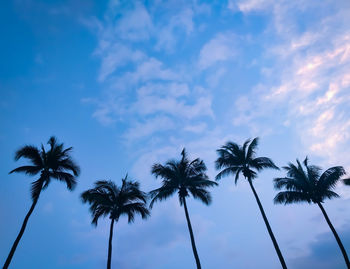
268,226
110,245
191,235
14,246
335,235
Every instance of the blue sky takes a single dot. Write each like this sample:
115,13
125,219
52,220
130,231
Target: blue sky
130,83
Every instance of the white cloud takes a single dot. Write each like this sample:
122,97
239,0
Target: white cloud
152,69
196,128
136,24
149,127
221,48
167,39
116,56
248,5
310,84
164,89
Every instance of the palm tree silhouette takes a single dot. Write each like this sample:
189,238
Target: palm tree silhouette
183,177
55,163
107,199
309,185
235,159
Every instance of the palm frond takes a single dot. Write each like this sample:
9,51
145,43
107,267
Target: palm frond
252,147
161,193
106,198
329,194
135,208
27,169
330,177
69,179
262,163
201,194
30,152
288,197
36,188
307,184
287,183
226,172
180,176
68,164
346,181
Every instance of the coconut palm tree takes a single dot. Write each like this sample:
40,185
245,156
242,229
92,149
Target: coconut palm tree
108,199
184,177
234,159
56,163
309,185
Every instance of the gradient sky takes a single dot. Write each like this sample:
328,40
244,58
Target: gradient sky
130,83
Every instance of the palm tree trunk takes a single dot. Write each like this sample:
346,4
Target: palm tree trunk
110,245
191,235
14,246
284,266
335,235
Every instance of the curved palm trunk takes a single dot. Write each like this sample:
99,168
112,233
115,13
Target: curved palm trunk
335,235
191,235
14,246
268,226
110,245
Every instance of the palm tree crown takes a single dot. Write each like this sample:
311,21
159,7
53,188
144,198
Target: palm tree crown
107,199
235,159
307,185
184,177
55,163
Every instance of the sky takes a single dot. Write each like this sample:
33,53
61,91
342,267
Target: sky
131,83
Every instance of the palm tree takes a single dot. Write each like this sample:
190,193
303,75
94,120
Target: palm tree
309,185
56,163
183,177
234,159
108,199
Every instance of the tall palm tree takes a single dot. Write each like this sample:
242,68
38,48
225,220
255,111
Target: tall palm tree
56,163
309,185
108,199
234,159
184,177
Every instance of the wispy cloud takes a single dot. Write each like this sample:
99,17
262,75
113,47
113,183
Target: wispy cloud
221,48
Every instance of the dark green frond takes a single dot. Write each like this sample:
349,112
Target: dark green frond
288,197
287,183
68,164
164,172
201,183
307,183
161,193
36,188
30,152
330,195
227,171
135,208
107,199
330,177
346,181
201,194
245,145
252,148
262,163
27,169
180,176
66,177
